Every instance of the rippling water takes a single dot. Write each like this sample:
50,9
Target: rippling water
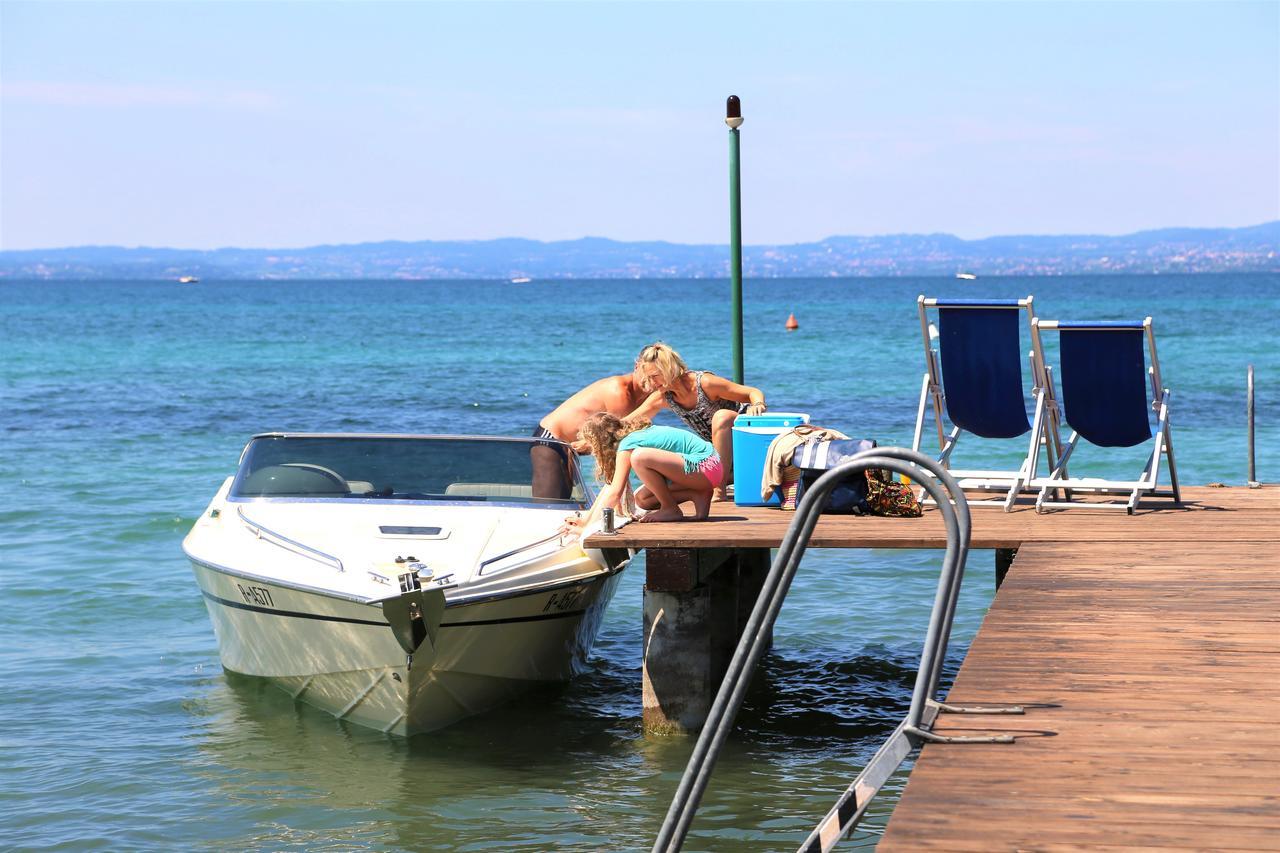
124,405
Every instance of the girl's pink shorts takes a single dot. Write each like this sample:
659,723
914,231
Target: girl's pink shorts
713,469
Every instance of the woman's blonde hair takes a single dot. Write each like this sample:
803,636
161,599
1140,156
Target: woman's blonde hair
668,361
604,432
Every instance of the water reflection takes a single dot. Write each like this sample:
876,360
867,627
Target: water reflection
551,771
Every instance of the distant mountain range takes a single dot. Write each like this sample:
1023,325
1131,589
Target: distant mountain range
1169,250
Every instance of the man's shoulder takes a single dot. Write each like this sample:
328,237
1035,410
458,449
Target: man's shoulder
621,390
608,383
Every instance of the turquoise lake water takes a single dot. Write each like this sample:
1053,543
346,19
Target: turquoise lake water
124,405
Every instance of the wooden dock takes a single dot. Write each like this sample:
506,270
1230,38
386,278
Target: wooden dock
1146,649
1206,513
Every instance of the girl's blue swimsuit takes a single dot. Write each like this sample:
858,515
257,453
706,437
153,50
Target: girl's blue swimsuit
694,449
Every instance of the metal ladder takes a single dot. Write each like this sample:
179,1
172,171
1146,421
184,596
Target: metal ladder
915,729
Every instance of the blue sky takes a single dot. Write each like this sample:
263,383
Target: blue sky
201,125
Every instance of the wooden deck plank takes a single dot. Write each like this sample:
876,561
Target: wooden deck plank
1155,725
1249,514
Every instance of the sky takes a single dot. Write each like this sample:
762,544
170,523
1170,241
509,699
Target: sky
204,125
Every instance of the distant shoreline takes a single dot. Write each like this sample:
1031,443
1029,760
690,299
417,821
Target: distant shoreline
974,284
1172,250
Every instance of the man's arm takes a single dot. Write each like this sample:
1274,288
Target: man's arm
654,403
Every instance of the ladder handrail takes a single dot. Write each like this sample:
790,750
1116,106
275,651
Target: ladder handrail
752,644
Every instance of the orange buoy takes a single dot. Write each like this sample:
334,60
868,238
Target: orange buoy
792,324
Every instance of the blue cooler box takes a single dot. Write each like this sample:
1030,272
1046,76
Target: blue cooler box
751,437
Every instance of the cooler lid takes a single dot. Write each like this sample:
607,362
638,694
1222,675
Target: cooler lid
773,420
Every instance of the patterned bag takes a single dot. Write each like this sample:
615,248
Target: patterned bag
789,491
886,496
879,495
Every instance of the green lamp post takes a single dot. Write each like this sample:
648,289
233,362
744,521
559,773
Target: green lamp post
733,118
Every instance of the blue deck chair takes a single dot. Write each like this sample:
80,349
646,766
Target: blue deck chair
1105,402
977,385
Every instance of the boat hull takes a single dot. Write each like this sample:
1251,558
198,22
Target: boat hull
341,654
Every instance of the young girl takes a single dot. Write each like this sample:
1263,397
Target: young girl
675,465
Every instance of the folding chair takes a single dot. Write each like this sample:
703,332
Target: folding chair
1105,403
977,385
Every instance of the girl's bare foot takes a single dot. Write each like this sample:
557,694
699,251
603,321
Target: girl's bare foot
702,505
672,514
719,496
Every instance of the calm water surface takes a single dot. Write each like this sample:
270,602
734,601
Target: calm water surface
124,405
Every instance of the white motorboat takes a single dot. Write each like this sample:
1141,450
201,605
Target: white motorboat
400,582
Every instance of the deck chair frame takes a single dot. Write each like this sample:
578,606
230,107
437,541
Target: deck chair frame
1147,484
1044,422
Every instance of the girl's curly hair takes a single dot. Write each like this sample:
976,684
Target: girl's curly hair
603,432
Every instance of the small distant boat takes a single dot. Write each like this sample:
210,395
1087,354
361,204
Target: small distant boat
521,280
967,276
188,279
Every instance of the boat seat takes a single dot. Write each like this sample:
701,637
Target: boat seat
490,490
359,487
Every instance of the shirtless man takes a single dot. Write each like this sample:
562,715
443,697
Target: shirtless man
617,395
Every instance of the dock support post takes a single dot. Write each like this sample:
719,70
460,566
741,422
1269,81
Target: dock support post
753,566
695,605
1004,559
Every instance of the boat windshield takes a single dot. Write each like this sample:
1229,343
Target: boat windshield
406,468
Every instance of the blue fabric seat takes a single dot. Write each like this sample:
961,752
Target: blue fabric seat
974,380
1108,395
982,370
1104,388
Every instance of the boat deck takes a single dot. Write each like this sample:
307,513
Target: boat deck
1146,649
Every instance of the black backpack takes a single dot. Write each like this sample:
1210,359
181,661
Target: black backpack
814,458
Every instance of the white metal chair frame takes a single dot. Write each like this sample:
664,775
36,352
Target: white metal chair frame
1147,483
1044,423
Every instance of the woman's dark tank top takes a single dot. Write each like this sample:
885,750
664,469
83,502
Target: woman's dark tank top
699,417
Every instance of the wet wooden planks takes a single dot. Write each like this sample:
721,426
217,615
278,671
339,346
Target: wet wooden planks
1151,672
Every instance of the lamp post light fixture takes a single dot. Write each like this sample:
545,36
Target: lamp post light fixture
733,112
733,118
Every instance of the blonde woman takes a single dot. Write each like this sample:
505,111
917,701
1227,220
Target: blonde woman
708,404
673,464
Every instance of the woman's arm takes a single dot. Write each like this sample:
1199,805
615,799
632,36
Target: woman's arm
719,388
